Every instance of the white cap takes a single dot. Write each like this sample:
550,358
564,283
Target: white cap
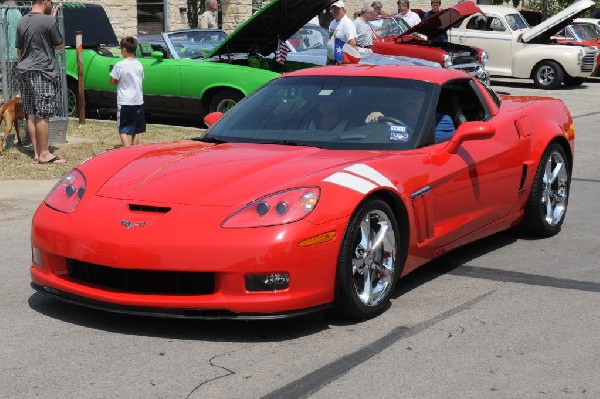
338,4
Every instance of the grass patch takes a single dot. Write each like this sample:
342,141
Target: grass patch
84,141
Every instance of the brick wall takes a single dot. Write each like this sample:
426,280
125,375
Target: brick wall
123,13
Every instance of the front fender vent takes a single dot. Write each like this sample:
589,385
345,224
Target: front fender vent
148,209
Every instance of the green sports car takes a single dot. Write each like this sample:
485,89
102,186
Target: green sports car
190,87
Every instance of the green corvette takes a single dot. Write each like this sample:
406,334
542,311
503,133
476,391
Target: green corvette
234,69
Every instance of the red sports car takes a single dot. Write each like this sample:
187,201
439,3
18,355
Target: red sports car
320,190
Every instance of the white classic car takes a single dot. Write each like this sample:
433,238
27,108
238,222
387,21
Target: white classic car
520,51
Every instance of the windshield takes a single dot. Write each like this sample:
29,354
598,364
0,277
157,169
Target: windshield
333,112
194,43
516,21
384,27
309,37
585,31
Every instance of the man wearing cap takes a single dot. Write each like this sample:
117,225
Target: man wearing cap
378,8
342,26
404,11
364,32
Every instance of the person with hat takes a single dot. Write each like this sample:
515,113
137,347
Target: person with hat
342,26
378,8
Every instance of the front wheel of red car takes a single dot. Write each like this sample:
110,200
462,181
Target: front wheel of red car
368,263
224,99
547,203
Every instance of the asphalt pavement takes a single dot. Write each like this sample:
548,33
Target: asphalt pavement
505,317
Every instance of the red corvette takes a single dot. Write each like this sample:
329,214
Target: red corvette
320,190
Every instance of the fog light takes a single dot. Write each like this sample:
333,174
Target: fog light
35,256
267,282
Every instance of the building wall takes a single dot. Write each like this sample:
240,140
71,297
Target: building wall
123,13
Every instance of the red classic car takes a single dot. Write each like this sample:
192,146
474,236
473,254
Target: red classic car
319,190
395,37
581,32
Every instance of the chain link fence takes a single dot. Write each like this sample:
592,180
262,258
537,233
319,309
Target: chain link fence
10,85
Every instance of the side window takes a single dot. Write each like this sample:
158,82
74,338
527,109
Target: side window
495,24
458,103
476,23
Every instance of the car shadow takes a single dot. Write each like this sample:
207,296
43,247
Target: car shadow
255,330
528,84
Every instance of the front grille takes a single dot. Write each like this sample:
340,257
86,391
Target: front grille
142,281
589,60
462,57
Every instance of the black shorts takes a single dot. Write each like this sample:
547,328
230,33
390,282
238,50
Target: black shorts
131,119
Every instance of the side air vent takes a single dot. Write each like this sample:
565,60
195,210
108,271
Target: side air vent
148,209
523,178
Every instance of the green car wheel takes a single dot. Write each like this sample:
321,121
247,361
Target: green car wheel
224,100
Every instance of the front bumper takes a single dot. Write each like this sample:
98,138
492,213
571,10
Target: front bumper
98,238
476,70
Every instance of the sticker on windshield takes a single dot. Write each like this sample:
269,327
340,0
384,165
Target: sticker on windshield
398,133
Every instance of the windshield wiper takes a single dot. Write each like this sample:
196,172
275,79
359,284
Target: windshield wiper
207,139
290,143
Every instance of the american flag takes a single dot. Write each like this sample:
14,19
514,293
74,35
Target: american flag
282,51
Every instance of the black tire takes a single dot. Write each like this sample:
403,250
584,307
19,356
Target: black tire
549,196
548,75
374,218
72,98
224,99
573,81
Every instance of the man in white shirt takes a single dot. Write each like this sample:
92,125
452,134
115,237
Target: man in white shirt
342,26
208,19
411,17
364,32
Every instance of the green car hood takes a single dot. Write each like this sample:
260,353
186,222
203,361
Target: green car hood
279,19
91,20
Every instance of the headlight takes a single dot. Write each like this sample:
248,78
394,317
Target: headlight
447,61
484,58
278,208
580,57
67,193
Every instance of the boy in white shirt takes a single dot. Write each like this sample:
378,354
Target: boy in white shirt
128,75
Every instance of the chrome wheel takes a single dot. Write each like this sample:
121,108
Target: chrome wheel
548,75
555,189
374,258
545,75
549,196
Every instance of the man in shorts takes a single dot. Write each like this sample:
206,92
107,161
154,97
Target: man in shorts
37,37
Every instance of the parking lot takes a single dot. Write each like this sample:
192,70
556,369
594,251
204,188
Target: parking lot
505,317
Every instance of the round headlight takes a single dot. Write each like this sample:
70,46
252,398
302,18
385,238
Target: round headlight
447,60
580,56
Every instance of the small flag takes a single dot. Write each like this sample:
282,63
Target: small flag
282,51
344,52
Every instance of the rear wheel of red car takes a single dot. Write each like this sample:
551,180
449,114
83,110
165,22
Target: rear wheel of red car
548,75
573,81
368,264
547,203
224,99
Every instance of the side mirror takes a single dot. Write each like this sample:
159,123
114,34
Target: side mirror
470,131
211,118
158,55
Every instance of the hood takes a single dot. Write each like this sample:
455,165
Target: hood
279,19
219,175
90,19
442,21
542,32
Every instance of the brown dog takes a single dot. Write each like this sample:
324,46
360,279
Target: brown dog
10,113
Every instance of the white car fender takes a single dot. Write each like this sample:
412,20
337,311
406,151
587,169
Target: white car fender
528,56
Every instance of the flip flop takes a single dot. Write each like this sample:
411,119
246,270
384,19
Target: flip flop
56,159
